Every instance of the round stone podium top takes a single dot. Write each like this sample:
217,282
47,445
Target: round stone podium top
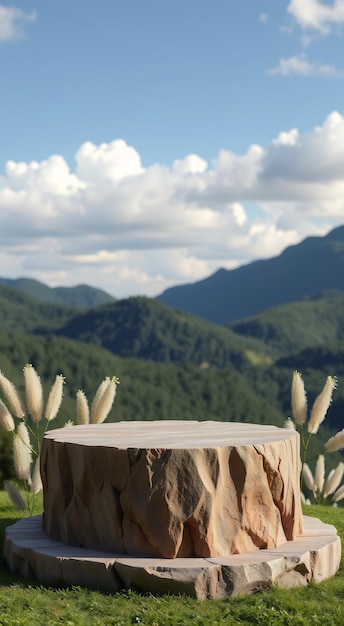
171,434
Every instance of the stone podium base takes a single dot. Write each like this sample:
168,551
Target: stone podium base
312,556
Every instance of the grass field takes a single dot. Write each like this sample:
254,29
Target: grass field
25,602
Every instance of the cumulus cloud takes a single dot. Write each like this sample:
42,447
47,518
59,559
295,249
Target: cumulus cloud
301,66
192,164
12,23
290,138
131,229
108,162
317,16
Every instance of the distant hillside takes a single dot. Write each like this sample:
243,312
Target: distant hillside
290,328
18,312
150,391
146,329
81,296
303,270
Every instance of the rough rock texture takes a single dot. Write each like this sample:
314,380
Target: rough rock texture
313,556
172,488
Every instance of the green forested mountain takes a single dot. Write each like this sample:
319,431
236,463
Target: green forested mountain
146,329
147,390
290,328
81,296
303,270
18,312
184,367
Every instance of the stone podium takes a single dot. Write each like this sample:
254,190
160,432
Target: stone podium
172,489
206,509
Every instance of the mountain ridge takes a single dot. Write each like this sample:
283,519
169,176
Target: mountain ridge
80,296
300,271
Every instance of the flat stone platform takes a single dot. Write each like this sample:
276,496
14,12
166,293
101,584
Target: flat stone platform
312,556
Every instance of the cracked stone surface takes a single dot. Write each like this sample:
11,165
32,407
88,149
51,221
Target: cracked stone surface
313,556
172,489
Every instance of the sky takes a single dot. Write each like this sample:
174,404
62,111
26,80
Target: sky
147,143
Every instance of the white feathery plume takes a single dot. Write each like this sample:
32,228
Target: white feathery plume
305,500
308,477
336,442
339,494
289,424
82,409
6,419
24,435
298,399
22,453
333,480
321,405
34,393
12,396
54,398
36,483
15,496
94,407
319,477
104,400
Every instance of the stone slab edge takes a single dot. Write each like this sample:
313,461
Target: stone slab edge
313,556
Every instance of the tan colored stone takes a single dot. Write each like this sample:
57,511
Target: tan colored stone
314,555
172,488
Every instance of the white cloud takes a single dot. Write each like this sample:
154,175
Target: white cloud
12,22
290,138
299,65
108,162
192,164
129,229
264,18
317,16
239,213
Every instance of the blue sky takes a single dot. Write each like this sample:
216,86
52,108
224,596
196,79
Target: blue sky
148,143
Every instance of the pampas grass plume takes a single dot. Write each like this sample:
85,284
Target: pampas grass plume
22,453
333,480
6,419
308,477
336,442
15,496
339,495
12,396
321,405
34,393
82,409
289,424
54,398
96,400
36,484
298,399
103,400
319,477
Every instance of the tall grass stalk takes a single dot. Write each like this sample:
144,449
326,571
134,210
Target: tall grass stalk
24,420
317,485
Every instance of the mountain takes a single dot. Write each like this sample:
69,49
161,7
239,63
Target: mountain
19,312
81,296
184,367
305,270
147,390
144,328
290,328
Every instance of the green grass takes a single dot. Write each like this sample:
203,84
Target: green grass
25,602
